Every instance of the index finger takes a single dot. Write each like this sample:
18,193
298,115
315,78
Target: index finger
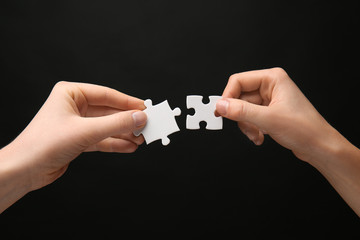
245,82
97,95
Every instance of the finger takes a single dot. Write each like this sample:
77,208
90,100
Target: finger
98,111
252,132
104,96
247,82
113,145
252,97
131,137
242,111
242,82
99,128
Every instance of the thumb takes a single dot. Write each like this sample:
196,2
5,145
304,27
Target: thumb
243,111
99,128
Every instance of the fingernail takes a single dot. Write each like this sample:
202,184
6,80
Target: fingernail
222,106
139,118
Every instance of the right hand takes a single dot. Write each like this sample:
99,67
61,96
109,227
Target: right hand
269,102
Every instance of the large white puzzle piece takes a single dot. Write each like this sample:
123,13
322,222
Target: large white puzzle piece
203,112
160,122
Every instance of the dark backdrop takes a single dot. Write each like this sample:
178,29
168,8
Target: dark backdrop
205,183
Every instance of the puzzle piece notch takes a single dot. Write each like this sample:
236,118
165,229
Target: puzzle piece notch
203,112
160,123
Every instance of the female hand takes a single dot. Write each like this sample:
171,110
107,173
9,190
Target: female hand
76,118
269,102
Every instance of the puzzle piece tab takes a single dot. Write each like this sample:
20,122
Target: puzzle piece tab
203,112
160,122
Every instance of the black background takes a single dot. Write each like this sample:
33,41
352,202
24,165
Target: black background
204,183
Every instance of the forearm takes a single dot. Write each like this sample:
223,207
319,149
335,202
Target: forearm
14,180
339,161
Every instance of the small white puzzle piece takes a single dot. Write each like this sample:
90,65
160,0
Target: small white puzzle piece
160,122
203,112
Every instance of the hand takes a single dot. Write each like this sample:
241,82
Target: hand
269,102
76,118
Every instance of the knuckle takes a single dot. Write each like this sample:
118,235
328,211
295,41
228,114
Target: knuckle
278,73
278,70
240,111
61,84
106,95
125,122
275,74
233,77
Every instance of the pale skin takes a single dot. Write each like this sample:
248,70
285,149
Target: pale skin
81,117
76,118
268,102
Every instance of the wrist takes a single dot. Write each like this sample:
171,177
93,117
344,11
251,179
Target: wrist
15,181
329,150
339,162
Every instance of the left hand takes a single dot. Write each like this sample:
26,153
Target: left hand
76,118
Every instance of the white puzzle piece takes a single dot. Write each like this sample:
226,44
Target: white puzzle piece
203,112
160,122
